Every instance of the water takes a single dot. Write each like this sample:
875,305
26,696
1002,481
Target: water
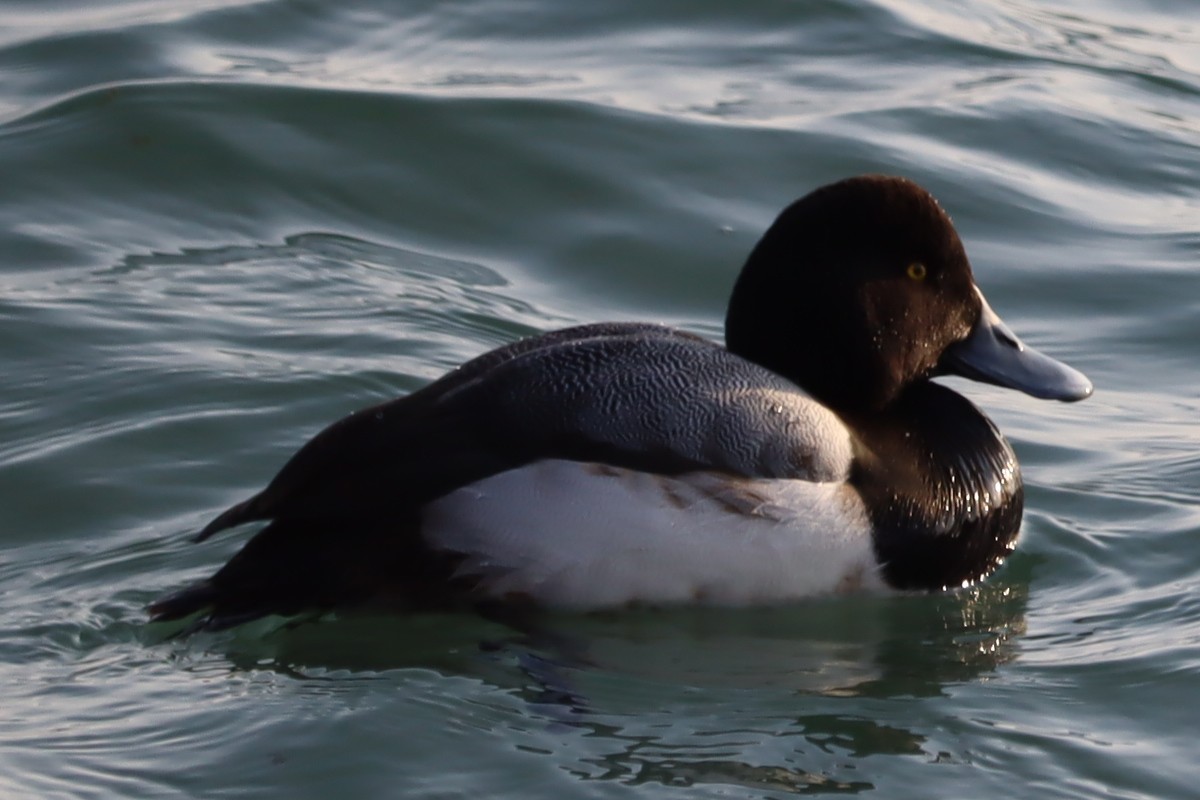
224,224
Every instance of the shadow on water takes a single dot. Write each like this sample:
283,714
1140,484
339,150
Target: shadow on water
768,699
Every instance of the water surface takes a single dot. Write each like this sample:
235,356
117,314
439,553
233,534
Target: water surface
225,224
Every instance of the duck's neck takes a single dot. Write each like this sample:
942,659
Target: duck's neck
943,488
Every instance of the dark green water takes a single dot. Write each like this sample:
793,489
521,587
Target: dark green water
224,224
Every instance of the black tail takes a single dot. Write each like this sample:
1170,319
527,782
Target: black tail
184,603
245,511
295,566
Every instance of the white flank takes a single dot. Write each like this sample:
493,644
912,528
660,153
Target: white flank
589,536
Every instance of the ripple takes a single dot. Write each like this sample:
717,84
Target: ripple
227,223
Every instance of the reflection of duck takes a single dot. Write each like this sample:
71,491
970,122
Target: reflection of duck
782,699
860,646
787,687
629,463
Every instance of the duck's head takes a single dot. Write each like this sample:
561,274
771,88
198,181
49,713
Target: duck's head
863,288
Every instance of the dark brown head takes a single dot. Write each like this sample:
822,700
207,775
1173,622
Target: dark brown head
863,287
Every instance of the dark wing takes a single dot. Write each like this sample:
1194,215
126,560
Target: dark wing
638,396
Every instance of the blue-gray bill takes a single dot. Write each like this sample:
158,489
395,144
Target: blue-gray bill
992,353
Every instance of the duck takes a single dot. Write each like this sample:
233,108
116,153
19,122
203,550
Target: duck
620,464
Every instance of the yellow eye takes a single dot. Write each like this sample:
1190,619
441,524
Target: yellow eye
917,271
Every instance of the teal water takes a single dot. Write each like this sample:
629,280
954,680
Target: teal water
224,224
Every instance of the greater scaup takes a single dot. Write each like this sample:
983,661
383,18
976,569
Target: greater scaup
624,463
